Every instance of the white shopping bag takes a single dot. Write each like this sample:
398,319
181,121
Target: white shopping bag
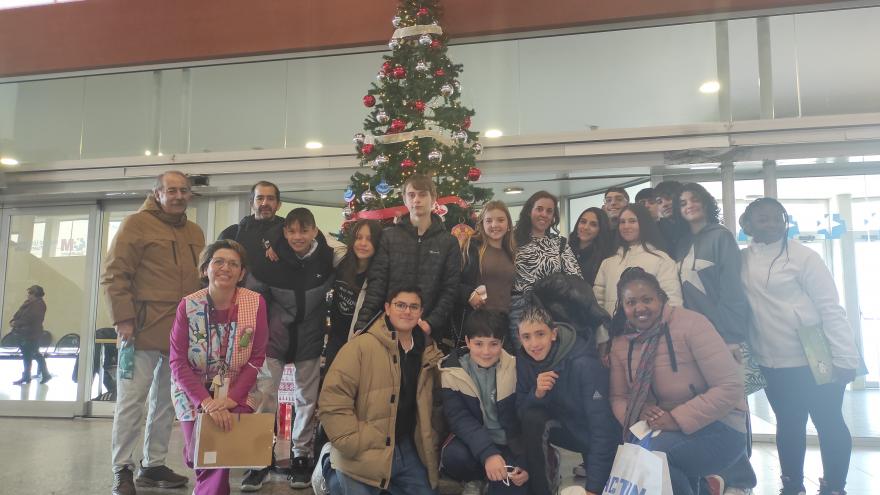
639,471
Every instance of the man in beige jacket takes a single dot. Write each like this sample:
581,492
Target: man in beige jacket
152,263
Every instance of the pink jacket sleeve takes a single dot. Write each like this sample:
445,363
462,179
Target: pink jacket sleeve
619,384
181,371
246,378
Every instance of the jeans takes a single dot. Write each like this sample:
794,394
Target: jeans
539,433
793,394
710,450
30,351
150,383
460,464
408,475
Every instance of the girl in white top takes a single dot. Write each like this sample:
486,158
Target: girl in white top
641,245
788,287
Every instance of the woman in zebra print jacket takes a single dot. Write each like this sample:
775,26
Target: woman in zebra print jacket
542,251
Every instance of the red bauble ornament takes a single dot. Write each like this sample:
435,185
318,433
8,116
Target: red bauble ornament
386,67
398,125
439,73
473,174
407,164
366,149
422,12
399,72
419,105
369,100
436,44
466,124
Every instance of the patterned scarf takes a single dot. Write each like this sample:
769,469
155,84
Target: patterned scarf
641,383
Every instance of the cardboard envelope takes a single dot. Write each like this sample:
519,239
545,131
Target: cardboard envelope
247,445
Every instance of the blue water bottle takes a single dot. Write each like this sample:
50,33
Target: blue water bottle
126,360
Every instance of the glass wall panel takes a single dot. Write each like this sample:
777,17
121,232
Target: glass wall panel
120,115
52,251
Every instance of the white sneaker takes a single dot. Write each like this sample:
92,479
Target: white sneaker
472,488
579,471
573,490
737,491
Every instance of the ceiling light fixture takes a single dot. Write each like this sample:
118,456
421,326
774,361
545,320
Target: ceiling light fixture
710,87
494,133
513,190
8,161
314,145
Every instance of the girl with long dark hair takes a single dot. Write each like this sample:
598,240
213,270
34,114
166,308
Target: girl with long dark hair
592,241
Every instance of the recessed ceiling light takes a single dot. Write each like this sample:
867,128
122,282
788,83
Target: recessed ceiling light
796,161
159,154
513,190
494,133
8,161
704,166
148,153
314,145
710,87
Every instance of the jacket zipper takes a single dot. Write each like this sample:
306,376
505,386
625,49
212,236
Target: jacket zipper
174,251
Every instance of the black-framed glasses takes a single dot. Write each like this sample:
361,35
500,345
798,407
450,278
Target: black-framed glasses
402,306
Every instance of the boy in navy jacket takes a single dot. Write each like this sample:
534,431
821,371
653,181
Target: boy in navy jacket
562,386
478,390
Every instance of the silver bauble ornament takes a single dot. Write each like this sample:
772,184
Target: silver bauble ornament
381,160
381,76
359,138
460,136
435,156
421,67
382,117
425,39
394,44
347,212
478,148
395,21
368,196
446,90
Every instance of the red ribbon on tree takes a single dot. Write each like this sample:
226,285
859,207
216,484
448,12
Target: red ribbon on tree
396,211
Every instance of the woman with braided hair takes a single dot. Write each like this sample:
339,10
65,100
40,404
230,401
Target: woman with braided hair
670,368
790,288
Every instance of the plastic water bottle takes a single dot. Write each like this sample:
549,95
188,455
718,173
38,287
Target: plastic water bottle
126,360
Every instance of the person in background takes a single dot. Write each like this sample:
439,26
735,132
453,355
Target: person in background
670,369
562,396
670,228
640,245
349,286
377,401
541,251
615,199
789,287
710,270
479,401
27,324
218,344
416,251
595,241
647,197
151,264
487,263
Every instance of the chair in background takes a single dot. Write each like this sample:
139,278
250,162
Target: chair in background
10,346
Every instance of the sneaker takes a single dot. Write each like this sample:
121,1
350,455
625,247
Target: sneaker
472,488
573,490
715,484
159,476
580,471
123,483
300,473
254,479
737,491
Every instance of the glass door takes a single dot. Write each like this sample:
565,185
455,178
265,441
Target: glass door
51,248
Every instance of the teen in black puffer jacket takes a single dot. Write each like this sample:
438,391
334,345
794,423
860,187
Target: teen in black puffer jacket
431,262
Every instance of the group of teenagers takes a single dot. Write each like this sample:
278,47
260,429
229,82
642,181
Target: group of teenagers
472,358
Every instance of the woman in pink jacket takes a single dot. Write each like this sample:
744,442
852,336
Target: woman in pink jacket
670,368
218,344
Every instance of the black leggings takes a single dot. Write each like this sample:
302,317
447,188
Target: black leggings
30,351
793,395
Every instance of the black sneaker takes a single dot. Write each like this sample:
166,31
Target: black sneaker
159,476
123,483
254,479
300,473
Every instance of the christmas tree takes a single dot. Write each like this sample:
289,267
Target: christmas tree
416,124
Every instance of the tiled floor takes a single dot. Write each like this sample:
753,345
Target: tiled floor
52,456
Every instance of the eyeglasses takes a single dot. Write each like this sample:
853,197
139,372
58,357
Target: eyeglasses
402,306
221,262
